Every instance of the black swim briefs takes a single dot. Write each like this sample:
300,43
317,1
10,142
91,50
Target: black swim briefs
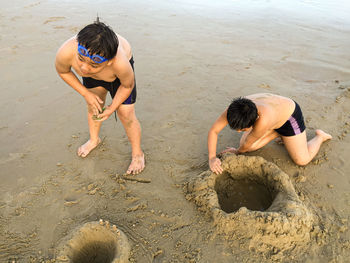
112,87
294,125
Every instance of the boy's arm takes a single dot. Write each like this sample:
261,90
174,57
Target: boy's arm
219,124
127,83
259,129
63,68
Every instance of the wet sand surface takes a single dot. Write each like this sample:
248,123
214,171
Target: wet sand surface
191,59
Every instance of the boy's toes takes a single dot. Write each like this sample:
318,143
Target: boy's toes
80,152
137,165
87,147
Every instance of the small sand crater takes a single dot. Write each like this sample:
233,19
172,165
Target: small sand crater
95,242
94,251
254,201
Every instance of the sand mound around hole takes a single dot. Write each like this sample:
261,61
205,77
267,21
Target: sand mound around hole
95,242
281,221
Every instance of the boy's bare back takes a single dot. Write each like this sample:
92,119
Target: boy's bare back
273,110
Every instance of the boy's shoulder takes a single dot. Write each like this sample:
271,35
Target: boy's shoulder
66,51
121,60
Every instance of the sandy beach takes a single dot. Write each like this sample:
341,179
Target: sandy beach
191,59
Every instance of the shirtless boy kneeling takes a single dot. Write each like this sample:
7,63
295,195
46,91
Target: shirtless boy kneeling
104,61
263,117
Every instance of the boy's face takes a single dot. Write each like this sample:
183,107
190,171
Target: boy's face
87,66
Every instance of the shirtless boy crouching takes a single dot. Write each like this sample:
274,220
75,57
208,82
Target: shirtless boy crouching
263,117
104,61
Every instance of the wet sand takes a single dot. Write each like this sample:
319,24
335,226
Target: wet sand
191,59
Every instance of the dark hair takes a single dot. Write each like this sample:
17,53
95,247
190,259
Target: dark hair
242,113
99,39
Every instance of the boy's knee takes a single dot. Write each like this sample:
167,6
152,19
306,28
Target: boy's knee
128,122
127,117
301,162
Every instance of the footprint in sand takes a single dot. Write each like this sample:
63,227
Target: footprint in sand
11,157
54,19
32,5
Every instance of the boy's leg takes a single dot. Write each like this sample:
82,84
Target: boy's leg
126,114
94,126
302,151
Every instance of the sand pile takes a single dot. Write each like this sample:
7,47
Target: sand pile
254,201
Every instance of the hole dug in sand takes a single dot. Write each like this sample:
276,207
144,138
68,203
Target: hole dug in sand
253,201
95,242
236,193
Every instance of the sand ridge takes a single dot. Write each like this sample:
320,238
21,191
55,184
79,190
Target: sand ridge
284,228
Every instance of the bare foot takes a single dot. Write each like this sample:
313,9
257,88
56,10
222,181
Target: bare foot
87,147
137,164
323,135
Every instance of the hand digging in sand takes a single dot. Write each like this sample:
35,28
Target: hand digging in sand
263,117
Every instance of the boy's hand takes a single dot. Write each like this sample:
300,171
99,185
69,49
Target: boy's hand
94,102
215,165
104,115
